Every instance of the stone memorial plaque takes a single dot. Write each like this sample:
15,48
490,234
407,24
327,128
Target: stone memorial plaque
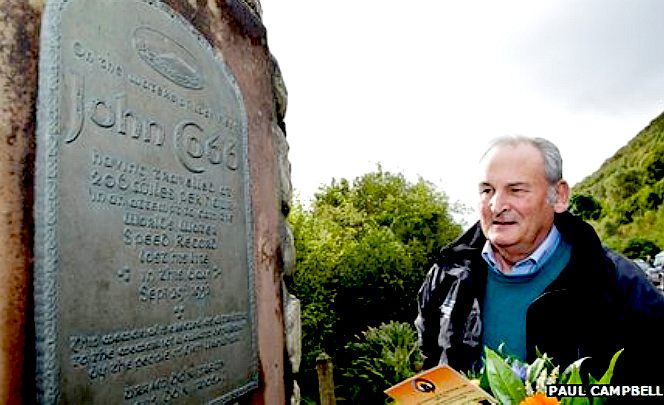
143,244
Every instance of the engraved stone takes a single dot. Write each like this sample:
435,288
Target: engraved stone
143,253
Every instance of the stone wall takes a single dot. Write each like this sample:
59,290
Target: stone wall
233,27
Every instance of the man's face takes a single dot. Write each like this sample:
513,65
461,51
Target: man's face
514,212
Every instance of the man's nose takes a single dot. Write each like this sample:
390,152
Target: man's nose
498,202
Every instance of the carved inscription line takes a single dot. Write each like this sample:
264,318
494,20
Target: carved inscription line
107,64
103,355
157,329
129,185
177,384
129,167
159,207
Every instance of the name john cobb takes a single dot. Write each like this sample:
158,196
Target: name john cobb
196,146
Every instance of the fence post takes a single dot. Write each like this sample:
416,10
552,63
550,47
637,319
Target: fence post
325,380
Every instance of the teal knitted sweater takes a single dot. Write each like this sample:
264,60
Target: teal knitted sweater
508,297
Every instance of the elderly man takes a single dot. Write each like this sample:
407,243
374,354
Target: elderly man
531,275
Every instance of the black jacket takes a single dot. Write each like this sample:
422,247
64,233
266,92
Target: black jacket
601,302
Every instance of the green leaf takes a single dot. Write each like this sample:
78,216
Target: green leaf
505,385
537,352
575,378
484,382
595,400
606,378
534,369
570,368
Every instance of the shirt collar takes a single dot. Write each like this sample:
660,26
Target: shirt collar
530,264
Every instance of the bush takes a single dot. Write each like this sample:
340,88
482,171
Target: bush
383,356
639,248
585,206
362,253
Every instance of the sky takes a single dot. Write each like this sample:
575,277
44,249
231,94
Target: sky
421,86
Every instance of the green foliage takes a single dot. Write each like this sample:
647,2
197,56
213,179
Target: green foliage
655,165
641,248
585,206
608,375
575,378
362,252
381,357
506,385
629,188
624,183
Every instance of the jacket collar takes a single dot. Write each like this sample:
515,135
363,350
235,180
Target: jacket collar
575,231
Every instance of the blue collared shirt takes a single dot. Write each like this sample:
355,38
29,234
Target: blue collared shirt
531,263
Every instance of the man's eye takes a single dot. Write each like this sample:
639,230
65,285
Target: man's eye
485,190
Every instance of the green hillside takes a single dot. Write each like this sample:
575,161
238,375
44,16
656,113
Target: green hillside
623,199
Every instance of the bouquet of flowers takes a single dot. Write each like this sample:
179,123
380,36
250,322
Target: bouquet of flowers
513,382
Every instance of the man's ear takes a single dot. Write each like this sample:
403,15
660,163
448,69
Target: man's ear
562,197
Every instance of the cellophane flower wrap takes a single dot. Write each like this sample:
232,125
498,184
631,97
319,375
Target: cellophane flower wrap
513,382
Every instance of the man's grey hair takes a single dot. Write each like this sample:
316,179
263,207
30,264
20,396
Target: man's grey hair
553,162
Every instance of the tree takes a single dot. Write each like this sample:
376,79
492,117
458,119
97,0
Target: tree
624,183
362,253
654,164
639,248
585,206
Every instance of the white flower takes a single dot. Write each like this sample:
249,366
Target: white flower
540,385
553,377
